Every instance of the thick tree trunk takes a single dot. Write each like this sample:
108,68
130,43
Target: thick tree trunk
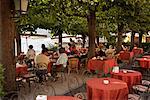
132,39
140,39
92,33
119,42
7,57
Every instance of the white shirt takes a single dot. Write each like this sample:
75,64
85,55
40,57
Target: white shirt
63,58
31,54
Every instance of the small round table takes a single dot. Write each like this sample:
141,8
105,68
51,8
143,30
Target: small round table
115,90
130,77
144,62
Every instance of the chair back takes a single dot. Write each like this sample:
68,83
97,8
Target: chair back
137,51
73,62
41,66
125,56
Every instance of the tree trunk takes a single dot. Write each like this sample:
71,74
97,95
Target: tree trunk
140,39
18,40
97,40
119,42
83,37
132,39
7,57
92,33
60,38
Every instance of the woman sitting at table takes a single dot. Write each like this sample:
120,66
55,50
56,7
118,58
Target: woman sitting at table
61,62
30,56
110,52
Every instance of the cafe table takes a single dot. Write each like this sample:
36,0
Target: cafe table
102,65
21,69
131,77
106,89
144,62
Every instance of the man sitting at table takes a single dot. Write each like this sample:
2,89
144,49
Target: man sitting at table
42,62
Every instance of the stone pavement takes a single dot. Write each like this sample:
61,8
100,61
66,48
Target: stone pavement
50,88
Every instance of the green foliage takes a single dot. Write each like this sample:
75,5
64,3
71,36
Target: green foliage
1,80
71,16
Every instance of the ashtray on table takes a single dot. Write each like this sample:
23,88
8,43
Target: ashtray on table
105,81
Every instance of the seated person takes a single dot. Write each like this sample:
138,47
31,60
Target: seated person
74,50
63,58
135,46
61,62
125,48
30,55
42,62
101,53
110,52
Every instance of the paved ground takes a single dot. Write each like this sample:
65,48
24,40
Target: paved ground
69,86
73,83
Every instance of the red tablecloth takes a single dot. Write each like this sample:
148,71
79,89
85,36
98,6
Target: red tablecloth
124,55
148,56
61,98
144,62
104,65
21,69
137,51
115,90
131,77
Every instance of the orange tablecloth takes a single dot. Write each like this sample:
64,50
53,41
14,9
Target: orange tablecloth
61,98
21,69
115,90
125,55
131,77
137,51
104,65
144,62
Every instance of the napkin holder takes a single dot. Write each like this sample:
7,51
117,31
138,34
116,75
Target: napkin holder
41,97
115,69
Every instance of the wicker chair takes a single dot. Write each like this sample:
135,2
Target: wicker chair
73,65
